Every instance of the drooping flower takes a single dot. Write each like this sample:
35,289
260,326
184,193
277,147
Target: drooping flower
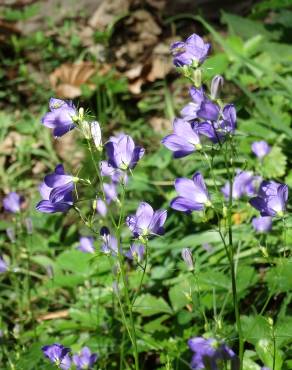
58,355
115,174
244,184
260,148
86,244
189,112
188,258
110,191
146,221
56,191
262,224
101,207
191,52
109,242
122,152
85,359
210,354
193,194
61,116
12,202
184,139
136,252
3,266
271,199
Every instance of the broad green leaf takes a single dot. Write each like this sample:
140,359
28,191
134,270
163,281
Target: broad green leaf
148,305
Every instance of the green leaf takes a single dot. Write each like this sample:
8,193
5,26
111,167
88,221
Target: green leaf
178,295
279,278
268,353
74,261
274,164
148,305
255,328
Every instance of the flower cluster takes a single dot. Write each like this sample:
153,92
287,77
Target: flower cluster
60,356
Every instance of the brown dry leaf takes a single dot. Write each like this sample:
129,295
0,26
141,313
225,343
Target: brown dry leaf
54,315
157,4
11,141
106,13
161,63
160,124
66,149
67,79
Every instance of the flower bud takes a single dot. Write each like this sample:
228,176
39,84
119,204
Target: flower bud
198,77
216,85
85,128
188,258
96,134
11,234
28,224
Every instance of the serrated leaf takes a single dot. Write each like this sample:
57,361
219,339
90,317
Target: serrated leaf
274,164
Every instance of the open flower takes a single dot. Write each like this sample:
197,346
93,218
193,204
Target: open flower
260,148
244,184
184,139
191,52
86,244
189,112
58,355
61,116
122,152
85,359
56,191
3,266
210,353
136,252
12,202
146,221
109,242
193,194
115,174
262,224
271,199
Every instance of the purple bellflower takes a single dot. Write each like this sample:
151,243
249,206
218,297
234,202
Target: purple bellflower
86,244
244,184
262,224
110,191
58,355
3,266
146,221
56,191
260,148
184,139
61,116
136,252
271,199
122,152
193,194
101,207
210,354
109,242
191,52
12,202
115,174
85,359
189,112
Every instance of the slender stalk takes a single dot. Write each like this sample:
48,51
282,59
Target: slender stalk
142,277
231,252
125,283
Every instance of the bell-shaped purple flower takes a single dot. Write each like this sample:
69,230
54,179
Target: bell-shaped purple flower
184,139
109,242
12,202
262,224
58,355
86,244
260,148
56,191
210,354
244,184
101,207
85,359
189,112
191,52
136,252
116,175
3,266
193,194
146,221
61,116
122,152
271,199
110,191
